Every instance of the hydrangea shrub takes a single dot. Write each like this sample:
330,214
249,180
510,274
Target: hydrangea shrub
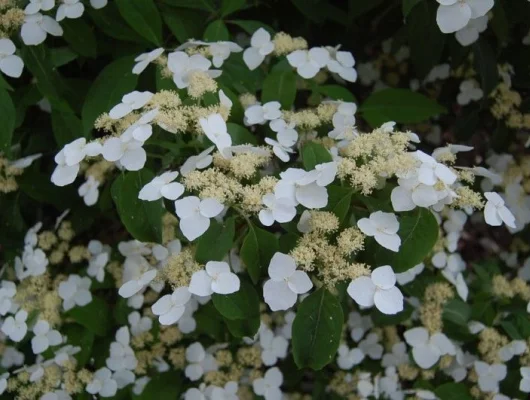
253,215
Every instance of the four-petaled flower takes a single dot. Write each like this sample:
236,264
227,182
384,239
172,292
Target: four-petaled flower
215,278
383,227
195,215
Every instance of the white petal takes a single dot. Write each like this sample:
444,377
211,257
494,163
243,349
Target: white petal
194,227
32,34
253,58
425,356
201,284
281,266
402,199
362,290
417,336
187,207
11,66
129,289
134,160
389,301
384,277
172,191
299,282
278,295
211,208
226,283
366,226
453,17
390,242
312,196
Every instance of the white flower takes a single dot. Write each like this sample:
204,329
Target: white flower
261,46
75,292
430,170
411,194
269,385
272,347
379,289
56,395
34,6
259,114
286,283
3,382
121,354
195,215
143,60
489,376
286,134
524,386
10,63
102,383
8,290
200,161
280,150
214,126
427,350
359,325
469,91
126,150
383,227
342,63
512,349
199,362
300,186
99,258
16,328
139,324
171,307
215,278
370,346
70,9
348,358
130,102
438,72
11,358
281,210
44,337
25,162
89,191
453,15
162,186
229,392
37,26
344,121
397,357
133,286
495,212
469,34
220,51
182,65
309,62
68,160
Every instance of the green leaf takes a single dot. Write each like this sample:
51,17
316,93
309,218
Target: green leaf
313,154
84,338
511,330
48,80
95,316
216,31
143,17
209,322
381,319
236,75
280,86
205,5
60,56
243,327
252,26
183,23
408,5
257,250
110,22
66,127
242,304
143,219
424,37
216,242
452,391
165,385
38,186
336,92
339,201
4,84
317,329
399,105
418,231
102,96
231,6
240,134
8,113
80,36
457,311
358,8
486,65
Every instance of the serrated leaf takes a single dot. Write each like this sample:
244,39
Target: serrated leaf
317,329
143,17
143,219
101,96
280,86
399,105
313,154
